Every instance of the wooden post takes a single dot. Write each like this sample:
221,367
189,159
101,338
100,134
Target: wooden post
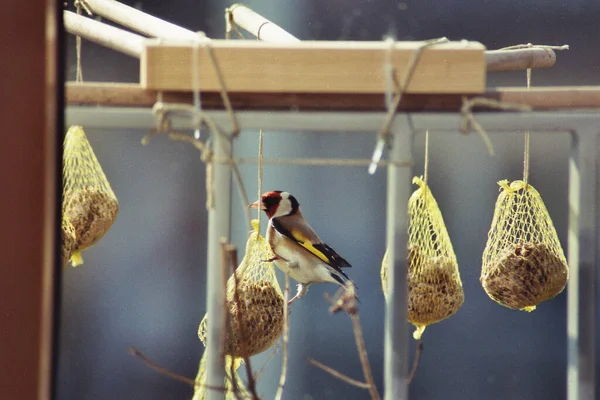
28,173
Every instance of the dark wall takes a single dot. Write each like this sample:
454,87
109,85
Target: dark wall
143,284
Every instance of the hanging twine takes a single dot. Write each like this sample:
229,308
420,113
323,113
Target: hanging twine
469,122
527,140
398,88
426,167
260,171
79,74
540,46
230,24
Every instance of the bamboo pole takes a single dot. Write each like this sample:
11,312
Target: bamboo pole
497,60
103,34
519,59
132,44
257,25
140,21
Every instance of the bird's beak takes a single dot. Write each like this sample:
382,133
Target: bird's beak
258,205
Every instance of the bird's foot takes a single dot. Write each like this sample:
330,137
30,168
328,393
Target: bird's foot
302,289
273,259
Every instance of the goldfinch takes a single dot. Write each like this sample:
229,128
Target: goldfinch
297,248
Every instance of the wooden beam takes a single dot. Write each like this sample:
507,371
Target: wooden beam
28,172
133,95
314,67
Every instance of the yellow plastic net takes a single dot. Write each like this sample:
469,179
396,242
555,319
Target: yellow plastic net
89,203
234,387
435,290
256,321
68,240
523,261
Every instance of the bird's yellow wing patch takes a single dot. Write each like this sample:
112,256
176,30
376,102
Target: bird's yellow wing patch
302,240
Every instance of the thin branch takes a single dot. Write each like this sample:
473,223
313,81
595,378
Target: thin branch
345,300
415,365
234,382
364,359
339,375
284,355
134,351
232,254
259,373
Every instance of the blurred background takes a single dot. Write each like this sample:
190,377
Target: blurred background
143,284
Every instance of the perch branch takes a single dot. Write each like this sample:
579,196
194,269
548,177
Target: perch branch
103,34
140,21
345,300
256,24
284,355
232,256
413,369
339,375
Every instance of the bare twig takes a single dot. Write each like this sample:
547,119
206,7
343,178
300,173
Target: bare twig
345,300
415,365
134,351
339,375
284,355
259,373
362,352
232,255
234,382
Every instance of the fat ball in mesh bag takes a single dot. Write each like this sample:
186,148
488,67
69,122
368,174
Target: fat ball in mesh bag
523,261
260,302
89,203
255,323
435,289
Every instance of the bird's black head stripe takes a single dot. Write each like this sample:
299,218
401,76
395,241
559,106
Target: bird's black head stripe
295,205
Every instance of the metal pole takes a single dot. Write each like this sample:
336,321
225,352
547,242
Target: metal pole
396,329
583,263
218,227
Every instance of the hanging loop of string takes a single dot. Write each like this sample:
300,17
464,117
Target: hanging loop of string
426,167
393,100
260,172
527,140
79,74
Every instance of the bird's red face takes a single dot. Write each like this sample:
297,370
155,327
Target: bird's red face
276,204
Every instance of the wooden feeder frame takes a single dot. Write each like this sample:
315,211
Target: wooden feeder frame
329,100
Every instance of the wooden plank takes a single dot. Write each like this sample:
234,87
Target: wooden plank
133,95
28,167
314,67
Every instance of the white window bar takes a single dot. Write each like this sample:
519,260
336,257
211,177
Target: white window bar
584,200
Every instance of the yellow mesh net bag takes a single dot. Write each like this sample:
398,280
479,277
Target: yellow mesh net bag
435,289
89,203
523,261
256,322
68,241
